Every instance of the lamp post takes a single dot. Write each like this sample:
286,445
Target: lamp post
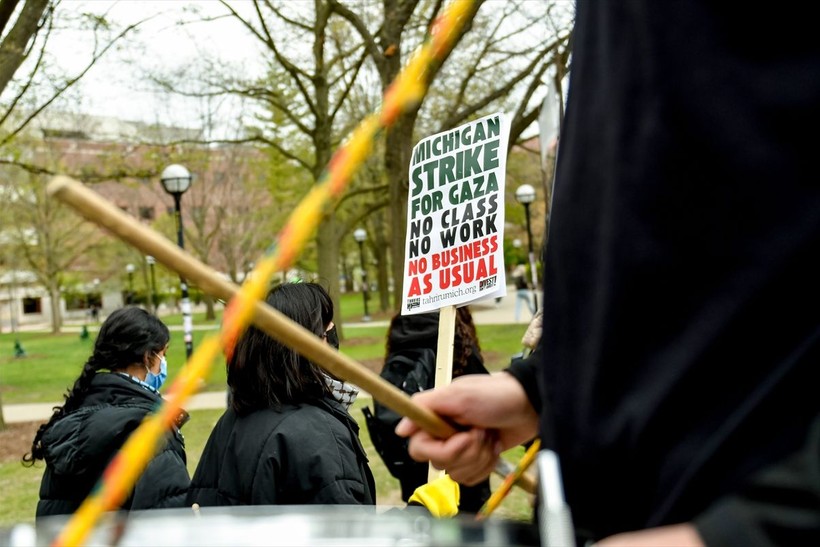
129,268
525,194
359,234
176,180
151,261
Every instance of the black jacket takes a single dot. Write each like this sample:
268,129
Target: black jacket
299,455
79,446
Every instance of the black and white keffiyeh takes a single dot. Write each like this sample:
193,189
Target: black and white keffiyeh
342,392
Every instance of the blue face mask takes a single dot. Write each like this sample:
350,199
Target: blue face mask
156,380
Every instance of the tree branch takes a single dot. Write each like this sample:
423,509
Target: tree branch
370,44
60,90
14,48
457,117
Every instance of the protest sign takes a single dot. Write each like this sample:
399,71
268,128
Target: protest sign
455,217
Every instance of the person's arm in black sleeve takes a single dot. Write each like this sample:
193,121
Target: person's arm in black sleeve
526,371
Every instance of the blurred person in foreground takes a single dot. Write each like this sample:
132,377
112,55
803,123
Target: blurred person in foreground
677,378
101,410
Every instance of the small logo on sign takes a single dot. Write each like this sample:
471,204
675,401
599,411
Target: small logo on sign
413,303
488,283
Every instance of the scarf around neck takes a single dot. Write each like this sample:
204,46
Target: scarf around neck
344,393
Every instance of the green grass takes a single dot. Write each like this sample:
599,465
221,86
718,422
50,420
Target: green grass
55,361
20,485
351,311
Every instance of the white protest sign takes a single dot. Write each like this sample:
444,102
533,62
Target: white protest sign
454,253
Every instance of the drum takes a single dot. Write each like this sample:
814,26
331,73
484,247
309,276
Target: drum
299,526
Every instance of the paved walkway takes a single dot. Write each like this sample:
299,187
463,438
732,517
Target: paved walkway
484,313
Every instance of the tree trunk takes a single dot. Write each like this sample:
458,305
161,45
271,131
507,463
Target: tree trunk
380,247
327,244
383,277
398,147
14,47
347,273
56,316
209,307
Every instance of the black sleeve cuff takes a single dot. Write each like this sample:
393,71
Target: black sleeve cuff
525,370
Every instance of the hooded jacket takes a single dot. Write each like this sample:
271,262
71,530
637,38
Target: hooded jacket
298,455
421,331
79,446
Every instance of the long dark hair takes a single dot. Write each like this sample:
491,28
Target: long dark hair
262,372
421,330
465,342
126,337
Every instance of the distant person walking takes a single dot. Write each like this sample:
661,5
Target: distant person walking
522,291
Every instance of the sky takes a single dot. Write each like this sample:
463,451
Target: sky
116,85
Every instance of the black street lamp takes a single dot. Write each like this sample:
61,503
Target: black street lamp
176,180
360,235
151,261
129,298
525,194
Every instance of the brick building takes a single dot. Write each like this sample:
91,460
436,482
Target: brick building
122,160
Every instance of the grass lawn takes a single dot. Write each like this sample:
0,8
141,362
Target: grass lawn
351,304
53,362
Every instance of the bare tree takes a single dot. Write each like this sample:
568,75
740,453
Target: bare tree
300,98
24,49
226,223
21,23
503,58
45,236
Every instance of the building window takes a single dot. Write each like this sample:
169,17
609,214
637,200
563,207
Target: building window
32,305
65,134
147,213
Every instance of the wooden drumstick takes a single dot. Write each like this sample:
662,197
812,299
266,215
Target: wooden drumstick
96,209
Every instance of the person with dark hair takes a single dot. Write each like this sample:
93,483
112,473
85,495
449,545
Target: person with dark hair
410,364
100,412
287,437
